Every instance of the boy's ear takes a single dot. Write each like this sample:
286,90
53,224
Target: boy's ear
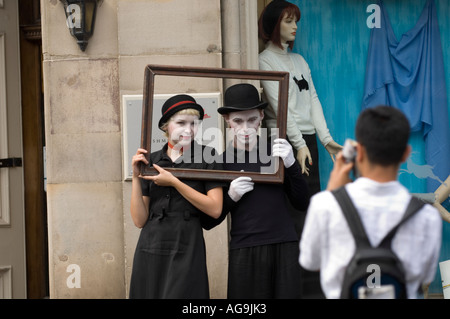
406,153
360,152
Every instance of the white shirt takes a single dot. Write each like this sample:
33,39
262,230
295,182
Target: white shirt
305,114
327,243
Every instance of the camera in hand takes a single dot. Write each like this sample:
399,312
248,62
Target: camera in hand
349,150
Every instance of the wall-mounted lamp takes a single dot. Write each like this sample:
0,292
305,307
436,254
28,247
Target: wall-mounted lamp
80,19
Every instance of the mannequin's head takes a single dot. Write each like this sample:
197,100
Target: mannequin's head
269,24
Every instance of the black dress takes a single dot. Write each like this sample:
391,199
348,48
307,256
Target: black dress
170,257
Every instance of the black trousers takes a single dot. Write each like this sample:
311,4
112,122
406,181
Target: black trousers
313,179
265,272
311,288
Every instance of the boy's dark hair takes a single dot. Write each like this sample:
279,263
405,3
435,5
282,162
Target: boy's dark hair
384,132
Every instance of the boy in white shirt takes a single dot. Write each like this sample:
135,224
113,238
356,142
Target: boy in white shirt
327,244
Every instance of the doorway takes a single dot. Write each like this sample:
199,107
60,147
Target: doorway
33,131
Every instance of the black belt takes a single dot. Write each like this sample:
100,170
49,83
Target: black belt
185,214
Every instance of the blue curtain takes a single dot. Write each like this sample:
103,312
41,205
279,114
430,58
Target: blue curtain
409,74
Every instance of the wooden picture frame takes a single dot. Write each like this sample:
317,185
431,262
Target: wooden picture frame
151,71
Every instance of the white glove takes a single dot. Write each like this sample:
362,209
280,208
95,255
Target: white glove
333,149
303,154
283,149
239,187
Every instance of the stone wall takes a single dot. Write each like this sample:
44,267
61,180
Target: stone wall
90,230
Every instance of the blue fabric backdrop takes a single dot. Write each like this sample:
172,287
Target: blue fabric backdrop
333,37
408,73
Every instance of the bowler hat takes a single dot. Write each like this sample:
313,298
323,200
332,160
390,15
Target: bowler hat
241,97
177,103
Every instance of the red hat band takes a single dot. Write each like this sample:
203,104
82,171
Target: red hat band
177,104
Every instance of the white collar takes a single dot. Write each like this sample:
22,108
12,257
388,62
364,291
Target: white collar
272,47
378,187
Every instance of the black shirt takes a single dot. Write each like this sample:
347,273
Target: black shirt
261,216
166,200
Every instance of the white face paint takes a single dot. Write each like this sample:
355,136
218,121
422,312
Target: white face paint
288,28
182,129
245,126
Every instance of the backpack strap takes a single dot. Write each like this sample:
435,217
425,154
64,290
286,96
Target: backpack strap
352,217
415,204
356,226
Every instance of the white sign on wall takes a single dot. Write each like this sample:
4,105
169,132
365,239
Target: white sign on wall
132,122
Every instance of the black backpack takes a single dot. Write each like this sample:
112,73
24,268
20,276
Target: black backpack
390,270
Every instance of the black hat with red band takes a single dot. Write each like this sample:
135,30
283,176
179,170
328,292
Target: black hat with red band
177,103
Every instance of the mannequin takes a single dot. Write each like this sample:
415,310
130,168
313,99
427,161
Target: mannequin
277,28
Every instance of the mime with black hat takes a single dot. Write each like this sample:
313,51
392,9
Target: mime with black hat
263,255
